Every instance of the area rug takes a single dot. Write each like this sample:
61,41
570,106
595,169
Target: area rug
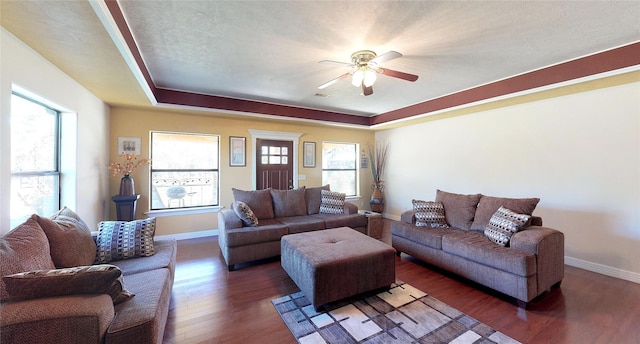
401,314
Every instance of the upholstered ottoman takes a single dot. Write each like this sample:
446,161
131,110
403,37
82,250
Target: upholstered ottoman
332,264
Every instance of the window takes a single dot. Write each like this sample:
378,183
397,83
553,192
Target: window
184,170
35,159
339,161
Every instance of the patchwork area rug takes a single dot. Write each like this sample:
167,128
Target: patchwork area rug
403,314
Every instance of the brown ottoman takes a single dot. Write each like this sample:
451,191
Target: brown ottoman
332,264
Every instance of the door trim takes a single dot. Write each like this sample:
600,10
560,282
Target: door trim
279,136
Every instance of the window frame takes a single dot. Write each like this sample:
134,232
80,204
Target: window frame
355,169
57,161
152,170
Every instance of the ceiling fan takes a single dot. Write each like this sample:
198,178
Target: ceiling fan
366,63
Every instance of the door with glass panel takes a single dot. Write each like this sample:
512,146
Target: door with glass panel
274,168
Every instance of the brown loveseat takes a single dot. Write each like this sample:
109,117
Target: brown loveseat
280,212
531,262
76,315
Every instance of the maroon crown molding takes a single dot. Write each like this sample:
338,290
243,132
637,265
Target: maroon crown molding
607,61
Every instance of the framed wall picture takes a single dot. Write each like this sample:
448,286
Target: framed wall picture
129,145
237,151
309,154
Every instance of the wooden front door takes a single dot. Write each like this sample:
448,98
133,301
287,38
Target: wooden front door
274,168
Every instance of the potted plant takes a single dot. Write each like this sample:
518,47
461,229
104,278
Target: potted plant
130,163
378,157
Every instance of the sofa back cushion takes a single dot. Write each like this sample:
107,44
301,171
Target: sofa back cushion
488,206
459,210
25,248
313,198
70,240
258,200
289,202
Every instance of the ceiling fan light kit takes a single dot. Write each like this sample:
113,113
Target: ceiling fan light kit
366,63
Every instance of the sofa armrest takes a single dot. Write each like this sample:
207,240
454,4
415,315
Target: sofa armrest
76,318
350,208
227,219
408,216
548,246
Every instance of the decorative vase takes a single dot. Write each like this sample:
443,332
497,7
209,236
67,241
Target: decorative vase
377,196
127,186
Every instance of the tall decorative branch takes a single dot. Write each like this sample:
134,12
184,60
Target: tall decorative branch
378,157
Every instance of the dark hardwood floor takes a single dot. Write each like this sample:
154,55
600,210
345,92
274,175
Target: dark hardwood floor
213,305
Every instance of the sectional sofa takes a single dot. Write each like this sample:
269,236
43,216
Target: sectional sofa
277,213
493,241
52,292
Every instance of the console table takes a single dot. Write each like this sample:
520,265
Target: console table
126,207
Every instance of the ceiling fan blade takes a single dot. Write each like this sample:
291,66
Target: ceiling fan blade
399,75
367,91
389,55
333,81
348,64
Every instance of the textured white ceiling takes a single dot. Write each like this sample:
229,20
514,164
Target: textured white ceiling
269,51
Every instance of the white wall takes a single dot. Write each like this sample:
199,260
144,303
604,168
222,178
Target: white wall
23,67
579,153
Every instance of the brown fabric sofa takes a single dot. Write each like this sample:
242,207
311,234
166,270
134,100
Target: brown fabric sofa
532,263
85,318
279,212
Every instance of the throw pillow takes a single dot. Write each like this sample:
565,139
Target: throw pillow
429,214
313,198
503,224
258,200
70,241
93,279
459,210
489,205
119,240
332,202
245,213
289,202
24,248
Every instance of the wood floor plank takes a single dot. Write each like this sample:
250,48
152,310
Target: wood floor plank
212,305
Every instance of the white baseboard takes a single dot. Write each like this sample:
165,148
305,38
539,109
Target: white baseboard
190,235
603,269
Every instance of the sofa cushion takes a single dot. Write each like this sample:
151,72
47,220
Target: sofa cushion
268,230
313,198
299,224
164,257
245,213
258,200
123,240
475,247
489,205
459,210
503,224
142,319
429,214
422,235
70,241
332,202
93,279
289,202
25,248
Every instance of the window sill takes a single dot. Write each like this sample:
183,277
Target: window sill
183,211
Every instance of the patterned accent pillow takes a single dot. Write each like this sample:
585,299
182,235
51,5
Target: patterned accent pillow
429,214
119,240
245,213
503,224
332,202
93,279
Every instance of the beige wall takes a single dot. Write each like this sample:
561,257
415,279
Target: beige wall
577,148
129,122
85,129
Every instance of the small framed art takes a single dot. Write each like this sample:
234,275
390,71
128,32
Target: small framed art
129,145
237,151
309,154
